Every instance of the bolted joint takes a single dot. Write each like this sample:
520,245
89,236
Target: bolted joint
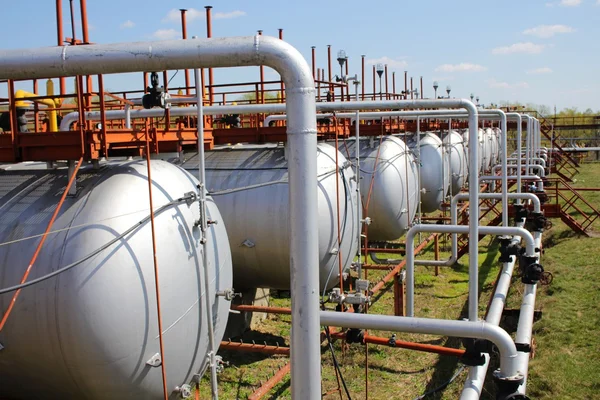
507,386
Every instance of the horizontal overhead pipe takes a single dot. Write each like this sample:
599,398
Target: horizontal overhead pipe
454,221
268,310
473,268
95,59
461,329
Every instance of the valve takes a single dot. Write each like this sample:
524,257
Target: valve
507,250
184,391
232,120
156,96
531,271
520,213
229,294
538,222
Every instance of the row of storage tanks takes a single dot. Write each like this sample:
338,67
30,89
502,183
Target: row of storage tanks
91,332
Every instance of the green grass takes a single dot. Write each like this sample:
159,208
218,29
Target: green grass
566,363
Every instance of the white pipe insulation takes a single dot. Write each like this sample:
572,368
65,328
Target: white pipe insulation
302,141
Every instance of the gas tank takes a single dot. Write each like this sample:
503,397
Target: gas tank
250,185
459,161
388,184
434,169
90,332
488,149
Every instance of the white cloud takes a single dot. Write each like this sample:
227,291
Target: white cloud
174,15
392,63
468,67
546,31
570,3
127,24
494,84
543,70
165,34
527,48
229,15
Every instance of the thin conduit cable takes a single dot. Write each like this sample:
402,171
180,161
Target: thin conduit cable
163,368
40,244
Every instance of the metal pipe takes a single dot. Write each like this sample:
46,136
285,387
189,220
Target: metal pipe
473,386
469,329
473,268
362,76
539,160
301,128
314,65
271,383
211,98
203,230
59,39
184,36
254,348
454,221
269,310
524,331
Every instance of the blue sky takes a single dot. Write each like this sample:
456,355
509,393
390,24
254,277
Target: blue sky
544,52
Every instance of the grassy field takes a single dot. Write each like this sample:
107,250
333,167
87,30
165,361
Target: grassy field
565,364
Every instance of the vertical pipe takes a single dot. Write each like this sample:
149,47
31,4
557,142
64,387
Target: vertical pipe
421,87
405,84
184,36
504,133
374,88
35,108
314,61
394,85
319,80
411,89
281,85
519,166
59,40
331,88
86,40
210,70
84,23
72,22
387,96
204,228
262,79
362,78
329,62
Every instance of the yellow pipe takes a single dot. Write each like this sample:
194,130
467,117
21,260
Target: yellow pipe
22,94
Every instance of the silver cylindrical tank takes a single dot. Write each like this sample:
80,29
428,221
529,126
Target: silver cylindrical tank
434,169
498,135
488,152
389,183
250,186
459,161
493,138
89,332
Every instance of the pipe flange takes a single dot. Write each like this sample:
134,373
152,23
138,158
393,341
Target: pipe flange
537,222
520,212
507,385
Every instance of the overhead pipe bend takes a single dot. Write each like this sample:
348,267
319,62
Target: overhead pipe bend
302,140
473,271
468,329
454,221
